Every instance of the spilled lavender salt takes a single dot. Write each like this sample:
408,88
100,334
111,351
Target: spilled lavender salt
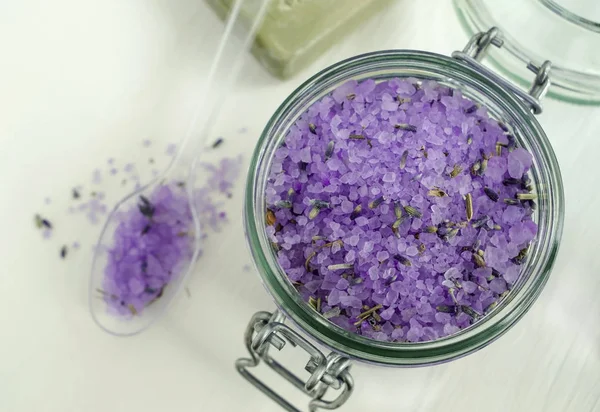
154,241
91,202
151,245
401,208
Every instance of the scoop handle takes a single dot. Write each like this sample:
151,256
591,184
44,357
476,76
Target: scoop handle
238,36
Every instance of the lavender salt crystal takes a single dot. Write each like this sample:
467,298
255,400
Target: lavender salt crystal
400,210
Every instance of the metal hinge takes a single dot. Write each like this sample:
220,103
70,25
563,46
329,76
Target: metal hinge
327,372
477,48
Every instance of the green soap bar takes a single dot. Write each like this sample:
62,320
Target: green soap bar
295,32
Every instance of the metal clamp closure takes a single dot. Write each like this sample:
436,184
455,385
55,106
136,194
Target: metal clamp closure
327,372
477,48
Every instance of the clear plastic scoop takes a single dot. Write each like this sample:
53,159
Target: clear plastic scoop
104,302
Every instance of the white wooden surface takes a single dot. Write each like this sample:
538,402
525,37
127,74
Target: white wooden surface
81,81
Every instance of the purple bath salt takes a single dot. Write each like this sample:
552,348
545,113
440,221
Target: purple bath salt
152,244
400,210
154,241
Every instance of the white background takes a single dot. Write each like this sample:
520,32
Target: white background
82,81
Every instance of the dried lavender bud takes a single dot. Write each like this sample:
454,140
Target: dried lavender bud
375,203
498,149
407,127
491,194
145,207
41,222
217,143
312,128
520,258
402,260
412,211
455,171
479,261
436,193
445,309
317,206
284,204
476,168
526,196
469,206
314,212
340,266
356,212
270,218
470,311
509,181
450,234
471,109
398,210
397,223
403,159
330,148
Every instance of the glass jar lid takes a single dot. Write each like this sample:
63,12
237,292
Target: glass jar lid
567,32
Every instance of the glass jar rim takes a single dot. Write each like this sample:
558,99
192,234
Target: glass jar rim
354,345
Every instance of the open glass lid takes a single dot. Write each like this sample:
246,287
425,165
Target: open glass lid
567,32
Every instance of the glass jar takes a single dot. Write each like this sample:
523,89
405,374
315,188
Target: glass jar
506,103
564,31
